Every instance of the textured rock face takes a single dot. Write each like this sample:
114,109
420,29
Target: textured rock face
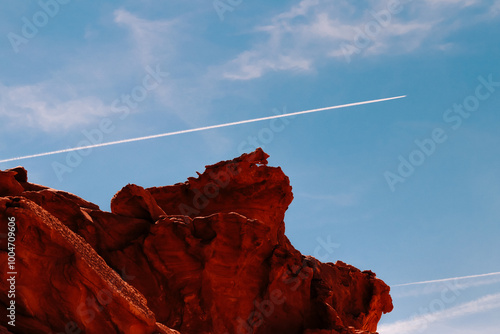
205,256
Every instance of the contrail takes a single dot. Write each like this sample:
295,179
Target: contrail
198,129
448,279
419,322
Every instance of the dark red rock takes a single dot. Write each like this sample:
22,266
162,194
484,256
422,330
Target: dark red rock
9,185
4,330
245,185
135,201
68,209
63,283
208,255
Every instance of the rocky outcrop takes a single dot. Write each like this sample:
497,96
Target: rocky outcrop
205,256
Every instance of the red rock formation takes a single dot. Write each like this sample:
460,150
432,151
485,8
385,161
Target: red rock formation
205,256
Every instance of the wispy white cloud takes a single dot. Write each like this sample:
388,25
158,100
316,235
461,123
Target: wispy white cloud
81,90
454,3
314,30
153,39
253,64
162,42
49,106
190,88
495,9
420,322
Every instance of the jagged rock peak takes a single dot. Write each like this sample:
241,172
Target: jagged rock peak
207,256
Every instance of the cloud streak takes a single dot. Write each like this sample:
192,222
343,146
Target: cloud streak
416,289
449,279
200,129
419,323
154,40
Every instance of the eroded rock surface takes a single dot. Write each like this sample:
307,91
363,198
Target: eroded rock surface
208,256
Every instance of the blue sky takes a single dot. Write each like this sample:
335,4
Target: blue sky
407,188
